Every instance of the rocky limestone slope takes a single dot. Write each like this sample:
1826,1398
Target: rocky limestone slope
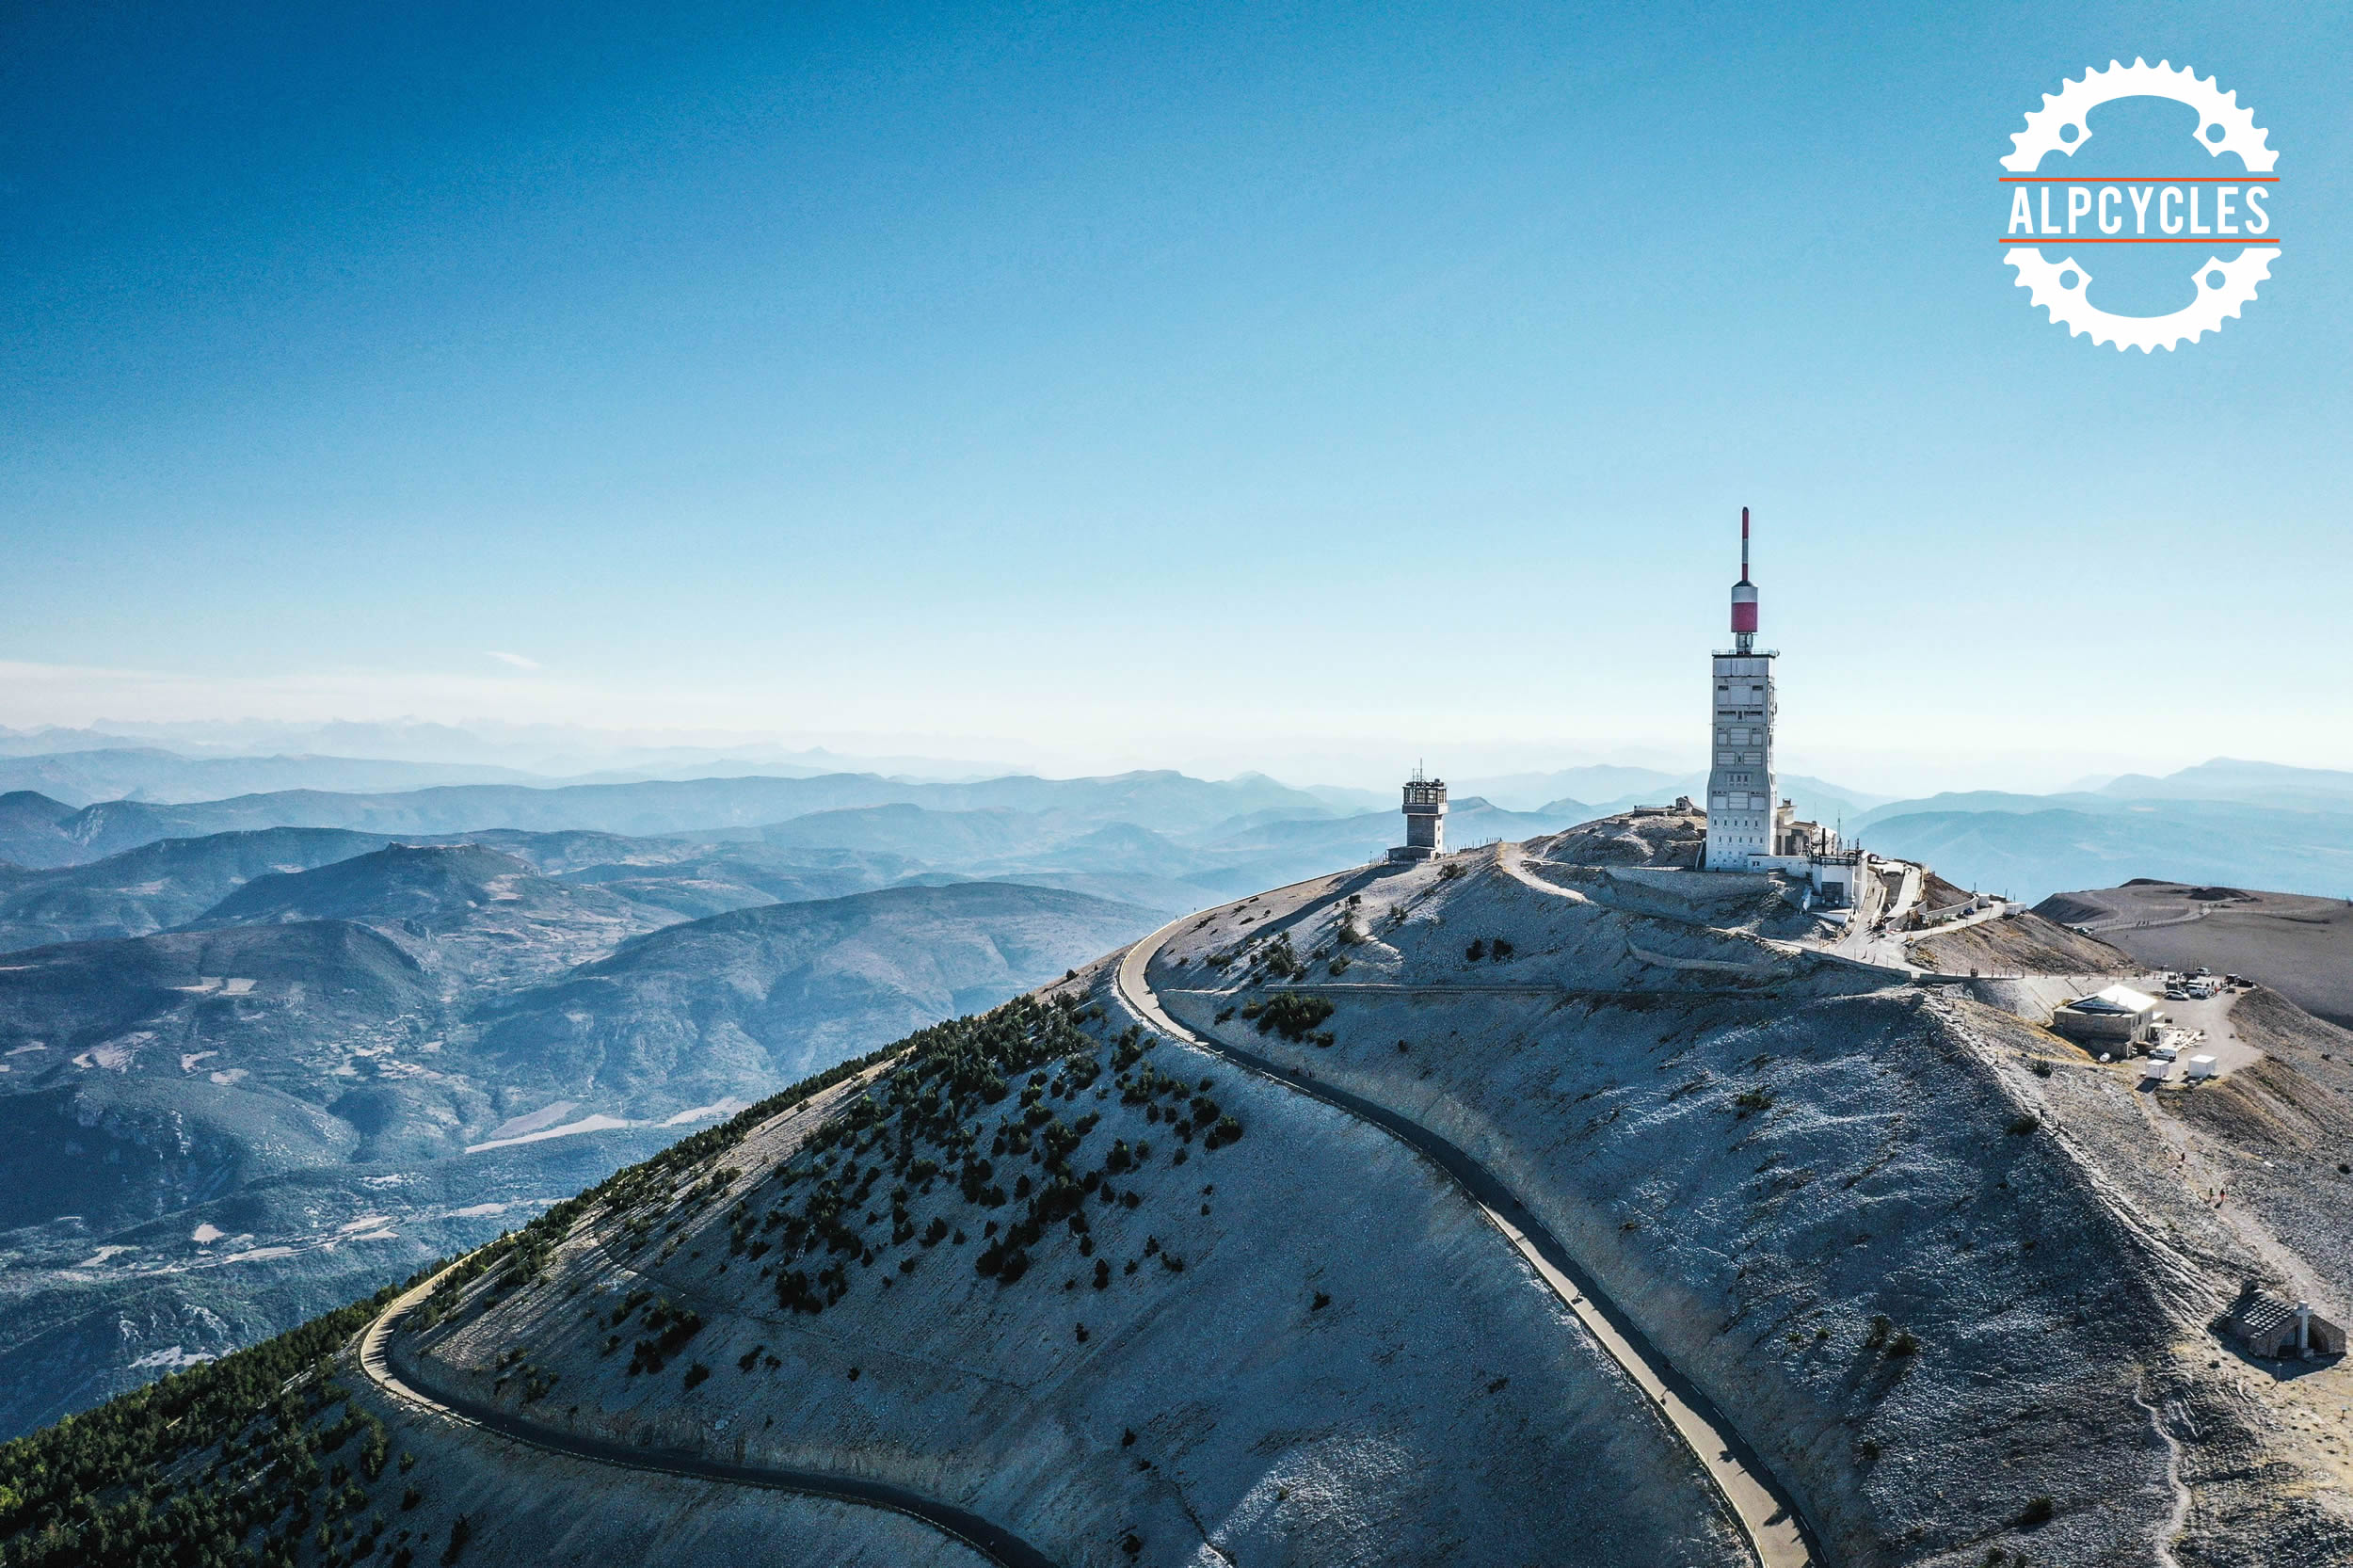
2019,943
1125,1301
1958,1305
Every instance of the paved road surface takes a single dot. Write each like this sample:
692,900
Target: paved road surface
1862,941
1768,1517
1999,909
991,1540
1906,895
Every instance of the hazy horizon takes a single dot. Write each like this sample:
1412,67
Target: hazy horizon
559,752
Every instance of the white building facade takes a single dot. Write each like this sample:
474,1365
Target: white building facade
1741,802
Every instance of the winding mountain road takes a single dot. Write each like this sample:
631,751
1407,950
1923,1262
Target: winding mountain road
1769,1519
991,1540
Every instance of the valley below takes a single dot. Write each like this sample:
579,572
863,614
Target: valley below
334,1073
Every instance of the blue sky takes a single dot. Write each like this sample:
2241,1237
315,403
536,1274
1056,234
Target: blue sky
1215,387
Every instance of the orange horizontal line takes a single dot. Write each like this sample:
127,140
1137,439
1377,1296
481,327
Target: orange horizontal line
2139,179
2062,240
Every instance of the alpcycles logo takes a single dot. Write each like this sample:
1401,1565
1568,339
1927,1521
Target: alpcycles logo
2225,211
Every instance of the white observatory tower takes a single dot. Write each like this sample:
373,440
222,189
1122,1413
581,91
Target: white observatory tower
1741,798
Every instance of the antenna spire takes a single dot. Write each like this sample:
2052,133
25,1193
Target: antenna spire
1744,595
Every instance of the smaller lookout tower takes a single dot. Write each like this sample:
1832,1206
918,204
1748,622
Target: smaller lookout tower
1425,819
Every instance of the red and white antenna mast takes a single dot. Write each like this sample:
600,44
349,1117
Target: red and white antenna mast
1744,597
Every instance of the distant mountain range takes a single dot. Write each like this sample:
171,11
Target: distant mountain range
2252,783
41,831
83,778
268,1070
158,886
2252,824
1163,838
553,753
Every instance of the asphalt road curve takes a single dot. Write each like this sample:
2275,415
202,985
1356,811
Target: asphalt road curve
991,1540
1775,1531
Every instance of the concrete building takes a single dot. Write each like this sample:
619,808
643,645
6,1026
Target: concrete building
2118,1016
1836,871
1425,819
2270,1328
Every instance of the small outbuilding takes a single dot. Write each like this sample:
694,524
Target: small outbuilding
2271,1328
2117,1016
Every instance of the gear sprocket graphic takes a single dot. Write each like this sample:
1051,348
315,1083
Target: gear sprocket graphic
2073,104
2223,287
2072,307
